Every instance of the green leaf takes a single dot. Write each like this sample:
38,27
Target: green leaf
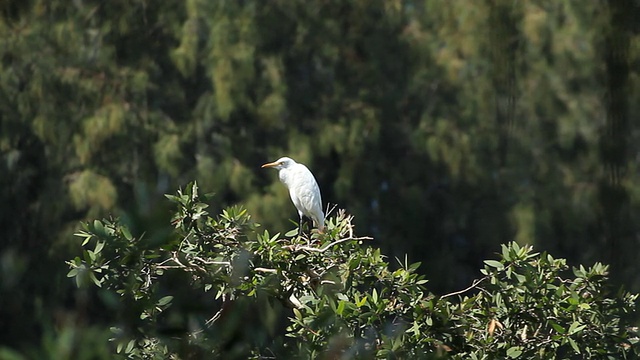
85,235
340,309
498,299
86,240
126,233
99,247
73,272
98,227
165,300
575,327
557,327
496,264
130,346
514,352
91,255
584,306
297,314
95,280
505,253
291,233
574,345
172,198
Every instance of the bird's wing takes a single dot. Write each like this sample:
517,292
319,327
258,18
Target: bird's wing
308,193
306,184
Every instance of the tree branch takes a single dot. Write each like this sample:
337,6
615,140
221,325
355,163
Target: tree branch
475,283
328,246
218,314
207,262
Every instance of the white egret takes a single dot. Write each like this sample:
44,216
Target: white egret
303,189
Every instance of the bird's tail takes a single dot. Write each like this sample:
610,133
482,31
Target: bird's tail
320,223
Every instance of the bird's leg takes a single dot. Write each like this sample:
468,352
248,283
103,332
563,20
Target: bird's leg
300,224
301,228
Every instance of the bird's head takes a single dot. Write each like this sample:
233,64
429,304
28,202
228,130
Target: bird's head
282,163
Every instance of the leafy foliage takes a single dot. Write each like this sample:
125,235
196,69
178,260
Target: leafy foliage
337,296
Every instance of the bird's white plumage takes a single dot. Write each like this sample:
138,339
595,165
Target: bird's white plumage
303,189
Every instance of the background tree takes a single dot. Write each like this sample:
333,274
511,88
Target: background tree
445,128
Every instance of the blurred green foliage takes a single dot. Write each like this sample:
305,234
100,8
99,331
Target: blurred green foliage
446,128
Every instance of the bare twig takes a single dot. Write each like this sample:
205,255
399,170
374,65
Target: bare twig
214,318
147,283
218,314
164,262
273,355
330,209
328,246
165,267
310,329
189,267
475,283
265,270
208,262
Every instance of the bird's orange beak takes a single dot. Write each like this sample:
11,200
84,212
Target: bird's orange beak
268,165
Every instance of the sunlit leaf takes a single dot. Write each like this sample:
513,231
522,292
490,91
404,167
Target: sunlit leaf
514,352
496,264
165,300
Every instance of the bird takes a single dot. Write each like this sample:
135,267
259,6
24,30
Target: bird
303,190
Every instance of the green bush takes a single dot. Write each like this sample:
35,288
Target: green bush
220,287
